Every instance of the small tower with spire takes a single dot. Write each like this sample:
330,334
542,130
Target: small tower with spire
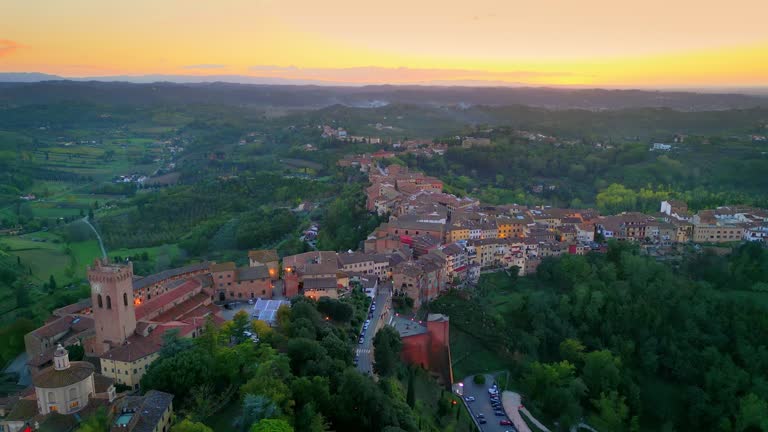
61,358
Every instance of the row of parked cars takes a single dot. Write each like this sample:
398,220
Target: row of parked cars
367,322
498,409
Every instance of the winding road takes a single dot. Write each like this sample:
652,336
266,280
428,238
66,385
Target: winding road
98,237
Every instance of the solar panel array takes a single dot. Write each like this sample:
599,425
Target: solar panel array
266,310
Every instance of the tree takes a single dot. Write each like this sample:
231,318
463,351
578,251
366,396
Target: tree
753,413
173,344
572,350
240,323
255,409
611,413
272,425
386,354
52,284
479,379
96,422
76,352
187,425
410,398
601,372
180,373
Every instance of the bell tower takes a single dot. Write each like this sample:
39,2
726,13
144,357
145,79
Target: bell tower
112,303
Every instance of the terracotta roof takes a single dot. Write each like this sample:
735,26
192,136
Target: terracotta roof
102,383
73,308
354,258
136,347
69,323
320,284
182,308
167,274
150,409
52,378
252,273
23,410
225,266
263,256
155,303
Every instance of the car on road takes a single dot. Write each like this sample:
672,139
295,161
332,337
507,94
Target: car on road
505,422
481,415
469,398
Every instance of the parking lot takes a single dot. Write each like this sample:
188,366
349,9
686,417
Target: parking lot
482,405
228,314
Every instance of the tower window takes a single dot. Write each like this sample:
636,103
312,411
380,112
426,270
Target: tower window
125,299
98,299
109,302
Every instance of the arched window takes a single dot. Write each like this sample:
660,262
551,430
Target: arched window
101,304
109,303
72,394
51,397
125,299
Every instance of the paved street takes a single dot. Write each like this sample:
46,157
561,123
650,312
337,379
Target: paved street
482,404
383,308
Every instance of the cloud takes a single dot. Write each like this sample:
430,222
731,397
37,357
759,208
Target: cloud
373,74
205,66
273,68
7,47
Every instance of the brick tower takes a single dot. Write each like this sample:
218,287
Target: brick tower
112,300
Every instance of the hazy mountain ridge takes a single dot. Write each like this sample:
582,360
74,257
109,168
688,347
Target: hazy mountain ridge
31,91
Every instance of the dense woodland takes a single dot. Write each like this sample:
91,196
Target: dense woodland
299,374
706,171
630,343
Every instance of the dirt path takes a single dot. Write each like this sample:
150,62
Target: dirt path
98,237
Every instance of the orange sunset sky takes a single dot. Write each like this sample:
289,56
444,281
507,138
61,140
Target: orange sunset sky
652,43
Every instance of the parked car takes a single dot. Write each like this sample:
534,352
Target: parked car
482,421
362,339
250,301
469,398
481,415
505,422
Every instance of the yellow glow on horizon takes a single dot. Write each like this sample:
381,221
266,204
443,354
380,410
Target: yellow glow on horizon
543,42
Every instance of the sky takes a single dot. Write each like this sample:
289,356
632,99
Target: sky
596,43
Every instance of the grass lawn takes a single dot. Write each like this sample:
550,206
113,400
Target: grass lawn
169,250
471,357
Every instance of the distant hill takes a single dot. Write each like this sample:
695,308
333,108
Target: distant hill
313,96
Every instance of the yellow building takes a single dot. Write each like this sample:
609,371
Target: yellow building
456,233
705,233
127,368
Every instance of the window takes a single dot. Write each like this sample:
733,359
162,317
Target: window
54,408
74,404
109,303
72,393
98,299
125,299
51,397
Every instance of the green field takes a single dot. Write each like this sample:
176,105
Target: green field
46,254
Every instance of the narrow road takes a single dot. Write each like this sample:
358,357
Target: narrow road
364,351
98,237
